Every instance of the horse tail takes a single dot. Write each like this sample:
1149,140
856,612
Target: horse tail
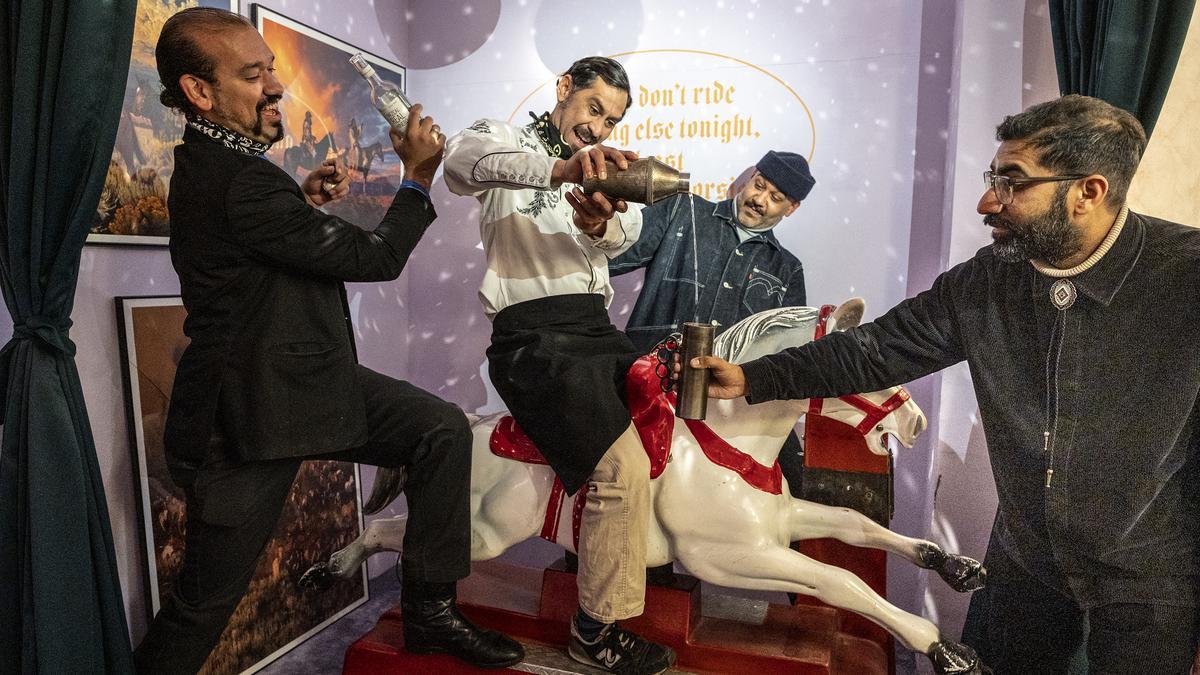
389,483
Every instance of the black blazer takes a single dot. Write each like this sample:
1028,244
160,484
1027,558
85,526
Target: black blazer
271,363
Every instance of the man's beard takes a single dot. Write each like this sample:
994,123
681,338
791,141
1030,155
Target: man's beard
258,130
1048,236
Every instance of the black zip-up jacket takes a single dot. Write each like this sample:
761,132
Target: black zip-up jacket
1118,522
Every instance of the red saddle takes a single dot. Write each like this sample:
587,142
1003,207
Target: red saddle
653,413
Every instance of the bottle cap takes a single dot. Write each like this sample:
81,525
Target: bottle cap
360,64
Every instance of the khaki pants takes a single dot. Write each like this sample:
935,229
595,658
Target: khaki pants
612,534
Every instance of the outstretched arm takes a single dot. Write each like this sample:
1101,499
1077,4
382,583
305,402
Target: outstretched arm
917,337
490,154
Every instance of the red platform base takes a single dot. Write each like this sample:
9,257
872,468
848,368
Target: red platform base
795,640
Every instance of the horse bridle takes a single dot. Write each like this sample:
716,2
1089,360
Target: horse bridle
874,413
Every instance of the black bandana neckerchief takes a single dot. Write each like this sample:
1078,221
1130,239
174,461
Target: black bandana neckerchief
227,137
549,135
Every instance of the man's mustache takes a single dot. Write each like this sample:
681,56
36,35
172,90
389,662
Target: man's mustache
584,134
267,101
995,220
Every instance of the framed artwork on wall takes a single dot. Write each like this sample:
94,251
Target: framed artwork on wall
133,204
323,512
327,113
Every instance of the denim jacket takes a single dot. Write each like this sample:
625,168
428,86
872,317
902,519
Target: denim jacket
736,279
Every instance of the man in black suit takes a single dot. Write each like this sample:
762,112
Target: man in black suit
270,377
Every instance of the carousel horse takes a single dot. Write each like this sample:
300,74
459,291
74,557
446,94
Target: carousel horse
720,504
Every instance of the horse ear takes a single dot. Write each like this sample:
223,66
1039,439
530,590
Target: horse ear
848,315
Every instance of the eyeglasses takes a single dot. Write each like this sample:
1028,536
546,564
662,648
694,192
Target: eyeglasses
1004,185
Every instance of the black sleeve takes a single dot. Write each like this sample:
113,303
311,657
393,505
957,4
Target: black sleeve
917,337
269,215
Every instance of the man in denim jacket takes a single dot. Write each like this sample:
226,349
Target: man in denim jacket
732,268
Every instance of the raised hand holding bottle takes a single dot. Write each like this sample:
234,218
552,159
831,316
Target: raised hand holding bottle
386,97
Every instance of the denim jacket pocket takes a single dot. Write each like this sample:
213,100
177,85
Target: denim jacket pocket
763,291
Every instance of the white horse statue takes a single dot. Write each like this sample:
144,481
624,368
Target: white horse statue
721,507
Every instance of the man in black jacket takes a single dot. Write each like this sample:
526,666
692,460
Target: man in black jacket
270,377
1079,325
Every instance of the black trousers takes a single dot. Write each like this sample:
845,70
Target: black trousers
232,509
1020,626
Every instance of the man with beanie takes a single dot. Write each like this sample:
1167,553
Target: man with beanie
737,267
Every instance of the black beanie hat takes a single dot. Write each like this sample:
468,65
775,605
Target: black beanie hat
789,172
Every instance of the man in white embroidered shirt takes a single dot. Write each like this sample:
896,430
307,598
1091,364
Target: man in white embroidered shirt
555,358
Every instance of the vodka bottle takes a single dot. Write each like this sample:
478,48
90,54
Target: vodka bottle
386,96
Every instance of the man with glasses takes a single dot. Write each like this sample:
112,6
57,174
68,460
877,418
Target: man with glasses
1079,325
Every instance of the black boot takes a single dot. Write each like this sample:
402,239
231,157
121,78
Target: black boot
433,625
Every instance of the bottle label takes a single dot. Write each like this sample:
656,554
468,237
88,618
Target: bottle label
395,113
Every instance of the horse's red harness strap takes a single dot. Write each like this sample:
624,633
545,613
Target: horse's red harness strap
508,440
577,513
814,404
550,524
718,451
822,321
875,413
552,521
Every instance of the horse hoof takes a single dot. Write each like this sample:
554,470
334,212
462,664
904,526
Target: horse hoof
961,573
317,578
954,658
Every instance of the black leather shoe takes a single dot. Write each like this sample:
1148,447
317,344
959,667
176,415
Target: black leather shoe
433,625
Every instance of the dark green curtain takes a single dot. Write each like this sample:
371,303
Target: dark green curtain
63,65
1121,51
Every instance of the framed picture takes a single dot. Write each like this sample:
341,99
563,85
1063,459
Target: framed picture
327,113
323,512
133,204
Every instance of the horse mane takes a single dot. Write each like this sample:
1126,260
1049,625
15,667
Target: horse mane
733,344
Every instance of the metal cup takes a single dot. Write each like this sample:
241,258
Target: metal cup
692,403
646,181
